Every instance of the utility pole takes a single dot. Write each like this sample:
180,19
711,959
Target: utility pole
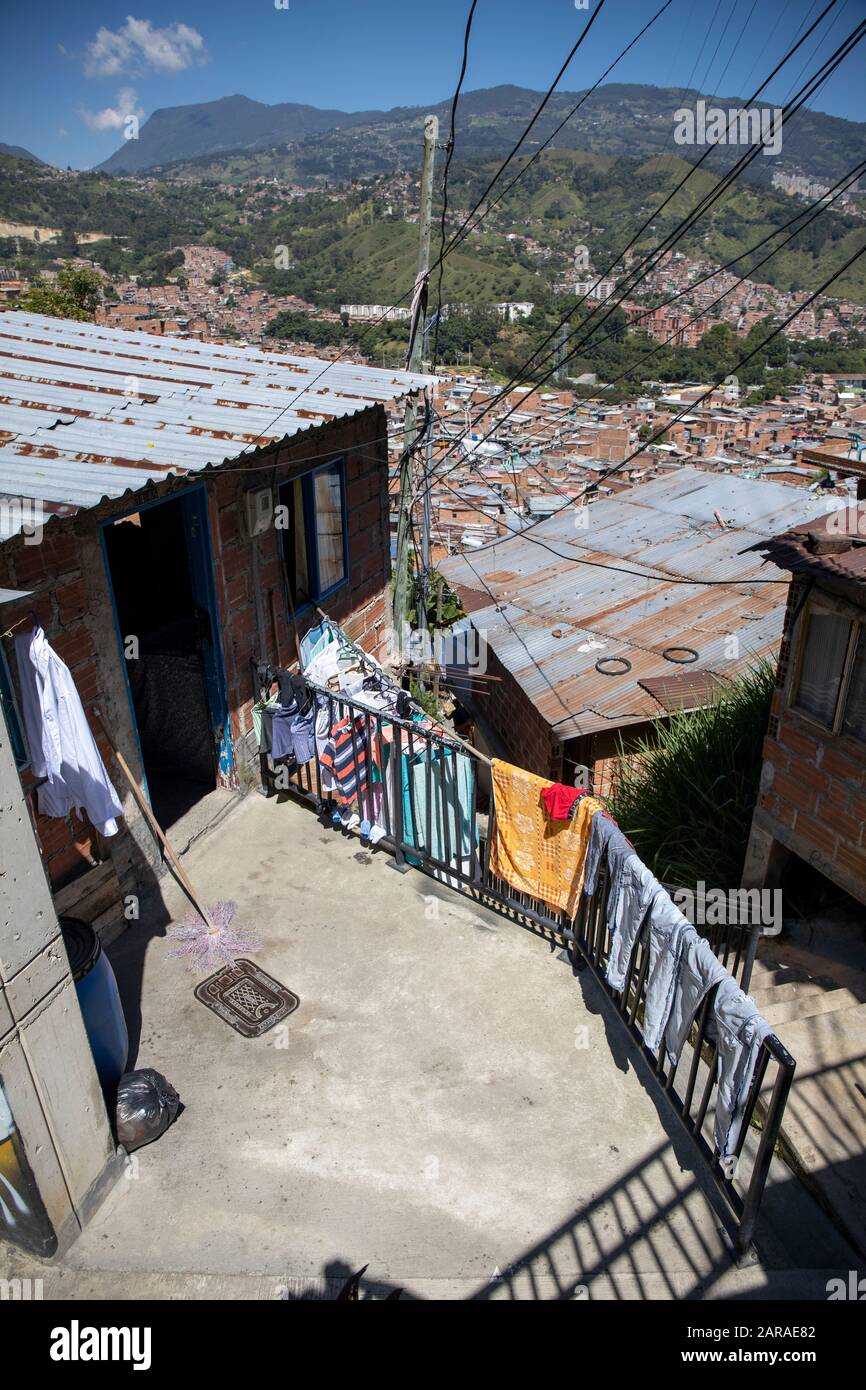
425,536
410,419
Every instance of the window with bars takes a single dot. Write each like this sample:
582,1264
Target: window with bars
831,677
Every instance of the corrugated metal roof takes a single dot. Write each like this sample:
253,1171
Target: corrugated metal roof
831,549
665,529
89,413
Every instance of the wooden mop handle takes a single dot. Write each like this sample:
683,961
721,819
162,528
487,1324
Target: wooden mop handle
154,824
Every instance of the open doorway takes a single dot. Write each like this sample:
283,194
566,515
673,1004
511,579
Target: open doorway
161,576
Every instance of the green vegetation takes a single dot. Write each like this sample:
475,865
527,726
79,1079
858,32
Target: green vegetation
687,791
75,295
353,245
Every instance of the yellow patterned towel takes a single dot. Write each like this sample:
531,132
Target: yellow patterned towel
531,852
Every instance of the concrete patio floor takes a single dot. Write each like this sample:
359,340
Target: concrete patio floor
448,1105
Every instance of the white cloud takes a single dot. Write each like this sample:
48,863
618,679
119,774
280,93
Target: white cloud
115,117
137,47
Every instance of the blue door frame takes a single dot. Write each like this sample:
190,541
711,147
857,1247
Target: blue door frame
196,530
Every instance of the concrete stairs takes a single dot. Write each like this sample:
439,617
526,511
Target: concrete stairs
817,1007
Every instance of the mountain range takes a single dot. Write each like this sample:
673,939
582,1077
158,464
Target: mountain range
19,152
307,142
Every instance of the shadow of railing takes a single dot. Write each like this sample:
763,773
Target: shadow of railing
416,785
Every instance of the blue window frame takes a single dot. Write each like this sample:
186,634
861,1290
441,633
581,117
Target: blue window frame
314,533
13,720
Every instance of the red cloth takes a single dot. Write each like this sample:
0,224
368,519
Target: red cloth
559,799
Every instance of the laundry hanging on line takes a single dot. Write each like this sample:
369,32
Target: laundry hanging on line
532,853
682,971
62,747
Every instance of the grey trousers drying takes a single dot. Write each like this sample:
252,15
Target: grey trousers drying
626,909
699,971
738,1030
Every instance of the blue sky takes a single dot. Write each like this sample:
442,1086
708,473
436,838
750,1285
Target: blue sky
73,71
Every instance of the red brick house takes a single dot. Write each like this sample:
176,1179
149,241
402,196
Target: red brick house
195,505
812,802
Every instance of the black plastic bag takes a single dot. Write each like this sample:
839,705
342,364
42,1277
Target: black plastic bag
146,1106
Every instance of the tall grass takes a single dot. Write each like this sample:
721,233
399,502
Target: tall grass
686,793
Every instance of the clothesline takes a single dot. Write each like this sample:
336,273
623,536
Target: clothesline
372,665
30,617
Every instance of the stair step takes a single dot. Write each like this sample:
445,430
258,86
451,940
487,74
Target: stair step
769,973
826,1002
765,995
824,1124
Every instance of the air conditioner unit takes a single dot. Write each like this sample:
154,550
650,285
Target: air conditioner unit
260,510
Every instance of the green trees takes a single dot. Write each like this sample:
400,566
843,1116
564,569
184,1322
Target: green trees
687,790
76,294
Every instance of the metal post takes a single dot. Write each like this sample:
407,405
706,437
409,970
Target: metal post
410,423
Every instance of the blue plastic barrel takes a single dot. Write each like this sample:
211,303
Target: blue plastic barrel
99,1000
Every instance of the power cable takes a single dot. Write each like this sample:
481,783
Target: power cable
693,405
449,156
463,231
670,240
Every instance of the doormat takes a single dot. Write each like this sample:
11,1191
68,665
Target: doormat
247,999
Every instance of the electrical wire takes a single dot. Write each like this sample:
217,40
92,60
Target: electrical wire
409,293
572,559
810,213
465,230
670,240
708,199
693,405
539,109
449,156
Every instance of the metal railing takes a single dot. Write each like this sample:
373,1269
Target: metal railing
409,782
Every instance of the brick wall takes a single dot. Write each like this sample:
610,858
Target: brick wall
71,600
242,566
524,732
55,571
813,784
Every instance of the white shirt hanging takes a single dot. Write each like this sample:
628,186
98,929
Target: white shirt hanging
62,747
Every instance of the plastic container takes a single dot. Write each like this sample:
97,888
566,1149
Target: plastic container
99,1000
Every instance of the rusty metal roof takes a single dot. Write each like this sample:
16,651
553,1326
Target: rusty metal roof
685,691
831,548
653,535
89,413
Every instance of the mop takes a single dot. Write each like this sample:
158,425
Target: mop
205,939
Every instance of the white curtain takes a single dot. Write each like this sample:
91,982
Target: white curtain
329,527
822,664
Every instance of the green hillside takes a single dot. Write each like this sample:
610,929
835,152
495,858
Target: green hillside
569,198
355,245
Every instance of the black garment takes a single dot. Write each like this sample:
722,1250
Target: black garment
265,675
267,738
294,691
